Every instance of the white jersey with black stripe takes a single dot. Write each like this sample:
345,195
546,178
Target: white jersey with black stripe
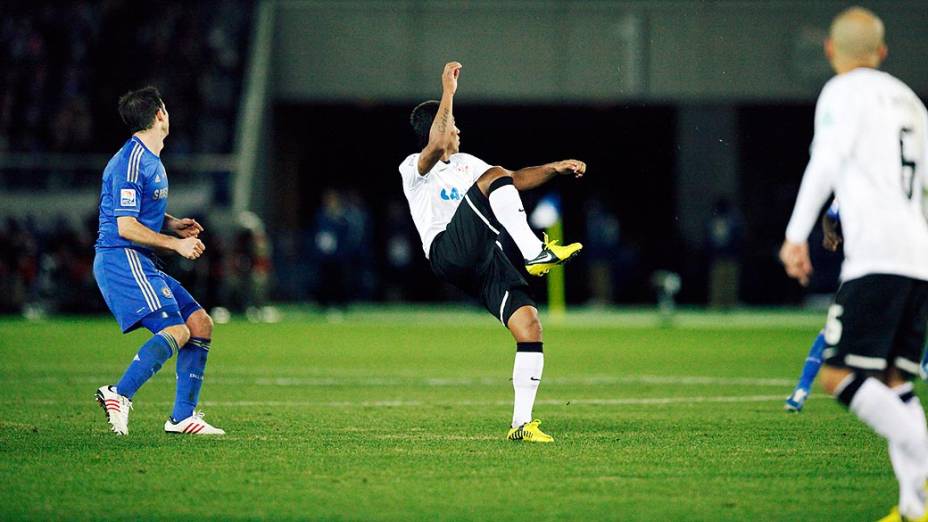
435,196
871,150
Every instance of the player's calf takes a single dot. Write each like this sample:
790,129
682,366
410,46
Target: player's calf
885,411
526,374
191,367
810,369
151,357
116,401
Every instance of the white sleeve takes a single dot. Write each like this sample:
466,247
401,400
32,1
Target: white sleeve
409,170
836,120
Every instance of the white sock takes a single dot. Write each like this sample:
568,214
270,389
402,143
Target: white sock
509,211
526,376
911,491
880,408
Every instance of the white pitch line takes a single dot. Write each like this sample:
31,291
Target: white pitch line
593,380
419,403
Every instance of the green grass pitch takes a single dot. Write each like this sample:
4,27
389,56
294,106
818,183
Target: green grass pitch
401,414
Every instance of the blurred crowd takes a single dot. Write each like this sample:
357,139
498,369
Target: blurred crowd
351,251
65,65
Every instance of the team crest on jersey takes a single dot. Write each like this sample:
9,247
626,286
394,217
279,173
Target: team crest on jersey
166,292
127,197
454,195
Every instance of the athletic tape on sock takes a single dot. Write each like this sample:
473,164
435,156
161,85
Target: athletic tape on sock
848,388
906,392
499,183
530,347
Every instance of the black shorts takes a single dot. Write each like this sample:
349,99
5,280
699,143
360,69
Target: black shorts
878,321
475,254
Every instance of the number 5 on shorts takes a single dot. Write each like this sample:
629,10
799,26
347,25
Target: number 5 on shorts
833,326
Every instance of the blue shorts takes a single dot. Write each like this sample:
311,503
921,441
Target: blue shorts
135,289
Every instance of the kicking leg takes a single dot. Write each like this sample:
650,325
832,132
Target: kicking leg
526,374
506,204
797,399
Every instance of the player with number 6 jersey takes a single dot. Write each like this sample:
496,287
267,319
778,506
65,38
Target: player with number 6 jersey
869,149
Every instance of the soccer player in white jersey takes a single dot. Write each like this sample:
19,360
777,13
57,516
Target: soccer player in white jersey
475,235
871,138
831,232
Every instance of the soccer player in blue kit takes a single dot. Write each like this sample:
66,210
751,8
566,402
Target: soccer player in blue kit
133,201
831,229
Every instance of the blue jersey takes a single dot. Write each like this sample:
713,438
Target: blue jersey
134,184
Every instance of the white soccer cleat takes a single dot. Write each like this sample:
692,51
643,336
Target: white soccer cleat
192,425
116,408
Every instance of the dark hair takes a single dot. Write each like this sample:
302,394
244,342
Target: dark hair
138,108
421,120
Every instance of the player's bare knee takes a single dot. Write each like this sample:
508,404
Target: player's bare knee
491,175
525,325
894,377
179,332
200,324
832,377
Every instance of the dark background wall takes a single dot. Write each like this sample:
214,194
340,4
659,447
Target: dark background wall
632,154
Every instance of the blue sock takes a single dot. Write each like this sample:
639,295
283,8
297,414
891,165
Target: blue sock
191,362
147,362
813,363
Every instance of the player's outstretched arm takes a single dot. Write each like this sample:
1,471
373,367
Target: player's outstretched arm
531,177
442,132
132,230
182,227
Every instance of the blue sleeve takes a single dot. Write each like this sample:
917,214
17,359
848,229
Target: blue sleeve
832,211
128,183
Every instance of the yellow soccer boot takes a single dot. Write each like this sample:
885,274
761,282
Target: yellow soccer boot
551,255
529,432
895,516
